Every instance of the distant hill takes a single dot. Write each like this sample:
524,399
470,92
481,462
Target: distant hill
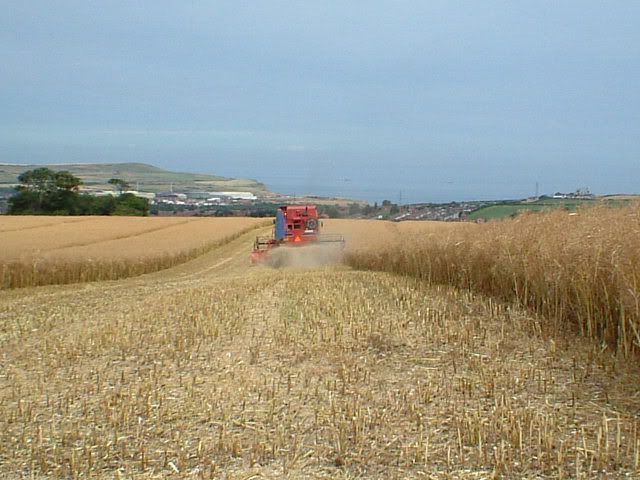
141,176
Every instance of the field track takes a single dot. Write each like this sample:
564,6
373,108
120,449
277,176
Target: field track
215,369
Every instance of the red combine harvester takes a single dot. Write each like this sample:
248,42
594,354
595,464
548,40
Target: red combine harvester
295,226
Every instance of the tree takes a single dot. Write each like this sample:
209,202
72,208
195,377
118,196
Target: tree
37,180
67,181
119,184
42,190
25,201
129,204
354,208
34,186
101,205
331,211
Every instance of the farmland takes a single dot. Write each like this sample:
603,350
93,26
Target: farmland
214,369
578,269
48,250
511,209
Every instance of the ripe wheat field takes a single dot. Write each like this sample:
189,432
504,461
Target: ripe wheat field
53,250
215,369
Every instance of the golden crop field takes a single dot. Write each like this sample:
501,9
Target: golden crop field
50,250
580,269
374,235
215,369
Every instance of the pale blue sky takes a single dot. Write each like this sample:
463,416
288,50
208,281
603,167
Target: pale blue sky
440,99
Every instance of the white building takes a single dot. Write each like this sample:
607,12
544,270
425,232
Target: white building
235,195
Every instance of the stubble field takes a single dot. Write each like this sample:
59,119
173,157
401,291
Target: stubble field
214,369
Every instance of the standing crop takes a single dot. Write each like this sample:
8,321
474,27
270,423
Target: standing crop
579,270
54,250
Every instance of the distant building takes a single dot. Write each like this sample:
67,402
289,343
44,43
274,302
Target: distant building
170,197
235,195
102,193
199,195
581,193
114,193
147,195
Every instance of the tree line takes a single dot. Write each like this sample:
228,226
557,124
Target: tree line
43,191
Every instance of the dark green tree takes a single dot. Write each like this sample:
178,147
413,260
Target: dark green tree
119,184
103,205
67,182
129,204
25,201
37,180
42,190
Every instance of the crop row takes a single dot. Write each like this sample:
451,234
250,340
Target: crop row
581,270
107,248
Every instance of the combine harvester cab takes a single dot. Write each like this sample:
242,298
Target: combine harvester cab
295,226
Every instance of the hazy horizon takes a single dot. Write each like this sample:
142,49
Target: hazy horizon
440,100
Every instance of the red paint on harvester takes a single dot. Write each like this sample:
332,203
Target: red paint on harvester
295,225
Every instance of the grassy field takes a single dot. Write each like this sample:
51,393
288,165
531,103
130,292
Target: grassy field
498,212
502,211
214,369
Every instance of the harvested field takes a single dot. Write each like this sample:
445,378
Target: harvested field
214,369
582,270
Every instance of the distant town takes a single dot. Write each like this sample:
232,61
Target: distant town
180,194
264,203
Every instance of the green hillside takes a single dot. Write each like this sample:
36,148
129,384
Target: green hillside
510,209
144,177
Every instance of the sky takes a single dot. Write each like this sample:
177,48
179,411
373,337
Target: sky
406,100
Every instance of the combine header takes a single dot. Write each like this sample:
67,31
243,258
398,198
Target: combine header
295,226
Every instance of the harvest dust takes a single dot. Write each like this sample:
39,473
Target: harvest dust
308,256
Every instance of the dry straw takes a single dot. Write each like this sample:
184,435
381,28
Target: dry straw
578,269
300,374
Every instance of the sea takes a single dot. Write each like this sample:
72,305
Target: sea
401,193
397,183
